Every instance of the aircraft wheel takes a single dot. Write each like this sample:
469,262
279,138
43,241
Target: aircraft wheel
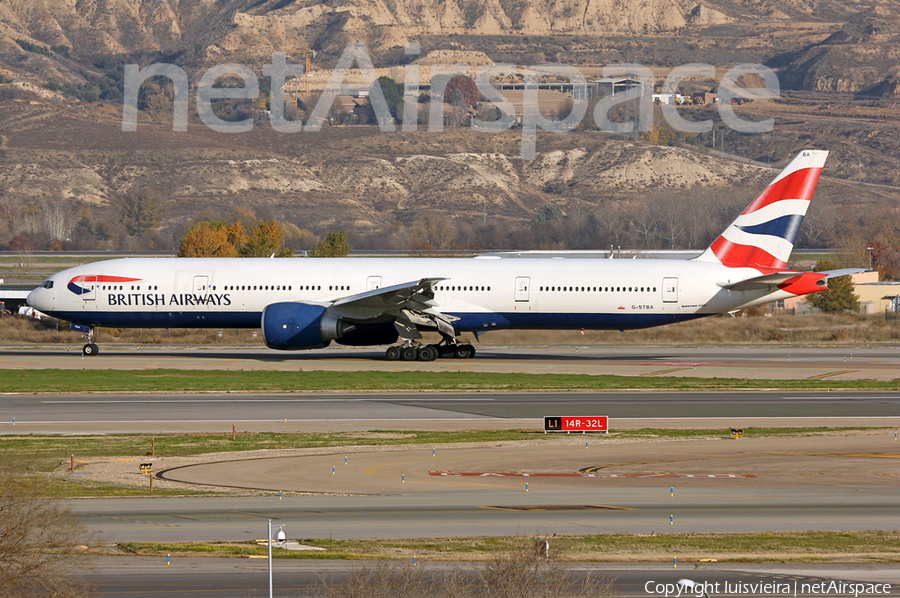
445,351
89,350
392,353
428,353
409,354
465,351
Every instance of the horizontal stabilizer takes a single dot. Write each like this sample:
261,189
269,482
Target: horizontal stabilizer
842,272
759,283
798,283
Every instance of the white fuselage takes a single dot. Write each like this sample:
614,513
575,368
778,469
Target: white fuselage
484,293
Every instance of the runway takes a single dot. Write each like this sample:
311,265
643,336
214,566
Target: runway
194,578
149,413
751,362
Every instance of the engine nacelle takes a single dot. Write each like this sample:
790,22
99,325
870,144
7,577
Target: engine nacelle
295,326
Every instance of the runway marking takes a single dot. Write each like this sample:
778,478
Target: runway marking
688,363
839,398
142,522
249,400
665,371
520,474
561,508
874,455
829,374
474,418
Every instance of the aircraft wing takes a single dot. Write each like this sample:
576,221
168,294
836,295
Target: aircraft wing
409,304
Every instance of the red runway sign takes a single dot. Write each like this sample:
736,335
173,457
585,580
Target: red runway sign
567,423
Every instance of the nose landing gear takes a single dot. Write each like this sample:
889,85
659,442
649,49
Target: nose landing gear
90,348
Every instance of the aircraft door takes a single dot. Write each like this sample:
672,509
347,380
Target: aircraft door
373,283
670,290
89,288
522,292
201,284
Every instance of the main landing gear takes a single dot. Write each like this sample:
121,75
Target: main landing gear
417,352
90,349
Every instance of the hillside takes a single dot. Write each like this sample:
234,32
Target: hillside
57,162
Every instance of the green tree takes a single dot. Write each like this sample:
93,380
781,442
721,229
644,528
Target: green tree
264,240
393,95
334,245
839,296
142,211
547,213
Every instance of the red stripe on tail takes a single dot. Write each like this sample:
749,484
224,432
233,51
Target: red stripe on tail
797,185
734,255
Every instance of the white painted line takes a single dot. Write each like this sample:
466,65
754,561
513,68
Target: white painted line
254,421
839,398
250,400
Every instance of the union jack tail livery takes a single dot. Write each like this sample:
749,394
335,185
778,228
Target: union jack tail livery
763,236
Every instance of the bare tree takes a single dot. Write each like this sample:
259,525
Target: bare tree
519,573
37,534
55,220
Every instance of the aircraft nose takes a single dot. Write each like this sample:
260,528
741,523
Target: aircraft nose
36,299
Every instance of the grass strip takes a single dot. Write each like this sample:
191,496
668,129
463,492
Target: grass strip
172,380
867,546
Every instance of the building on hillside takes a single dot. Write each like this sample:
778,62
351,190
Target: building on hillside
549,102
610,86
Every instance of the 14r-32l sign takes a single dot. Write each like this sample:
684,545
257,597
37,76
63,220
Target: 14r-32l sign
574,423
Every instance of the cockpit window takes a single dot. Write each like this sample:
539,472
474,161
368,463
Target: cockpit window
47,284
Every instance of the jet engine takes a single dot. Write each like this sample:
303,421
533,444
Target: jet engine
295,326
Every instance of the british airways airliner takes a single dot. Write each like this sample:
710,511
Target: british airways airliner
307,303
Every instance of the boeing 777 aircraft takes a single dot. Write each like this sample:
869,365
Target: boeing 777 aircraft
306,303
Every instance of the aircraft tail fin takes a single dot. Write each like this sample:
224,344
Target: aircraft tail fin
763,235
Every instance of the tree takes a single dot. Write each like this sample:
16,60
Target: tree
35,531
547,213
20,243
393,95
470,94
221,239
143,211
334,245
264,240
839,296
211,239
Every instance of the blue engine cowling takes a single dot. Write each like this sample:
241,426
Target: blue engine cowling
295,326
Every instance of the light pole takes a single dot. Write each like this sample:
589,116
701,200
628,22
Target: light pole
281,538
869,249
